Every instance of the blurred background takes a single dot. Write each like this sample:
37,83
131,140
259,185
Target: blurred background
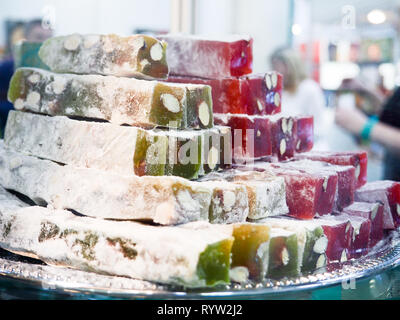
332,53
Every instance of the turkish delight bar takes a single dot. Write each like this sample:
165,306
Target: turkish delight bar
283,260
251,136
373,212
326,200
250,249
258,94
117,100
266,192
139,56
122,248
339,234
305,133
357,159
26,54
312,242
303,190
360,231
122,149
102,194
205,57
386,192
346,179
284,136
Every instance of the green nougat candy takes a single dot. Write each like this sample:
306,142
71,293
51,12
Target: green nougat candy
229,202
26,54
139,56
312,241
250,246
283,254
128,101
171,255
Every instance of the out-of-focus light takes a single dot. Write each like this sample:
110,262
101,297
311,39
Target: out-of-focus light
296,29
376,16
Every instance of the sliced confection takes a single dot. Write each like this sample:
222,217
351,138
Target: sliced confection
205,57
102,194
257,94
284,136
193,258
26,54
305,133
117,100
373,212
132,56
312,242
122,149
251,136
386,192
357,159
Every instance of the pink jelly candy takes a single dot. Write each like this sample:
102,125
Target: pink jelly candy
258,94
284,136
388,193
251,135
190,55
326,200
357,159
373,212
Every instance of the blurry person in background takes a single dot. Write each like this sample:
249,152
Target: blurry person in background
301,95
383,128
31,31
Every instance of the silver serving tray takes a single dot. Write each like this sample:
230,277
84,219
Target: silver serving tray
65,280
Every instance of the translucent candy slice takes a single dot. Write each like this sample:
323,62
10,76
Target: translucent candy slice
284,136
138,56
357,159
386,192
257,94
117,100
206,57
374,213
305,133
121,248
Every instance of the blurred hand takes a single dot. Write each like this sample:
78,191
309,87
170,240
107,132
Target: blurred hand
352,120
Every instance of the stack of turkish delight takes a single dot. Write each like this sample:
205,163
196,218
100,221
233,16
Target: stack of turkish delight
165,159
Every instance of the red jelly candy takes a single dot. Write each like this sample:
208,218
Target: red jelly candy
284,136
357,159
189,55
373,212
326,200
386,192
251,135
339,238
303,190
251,95
305,133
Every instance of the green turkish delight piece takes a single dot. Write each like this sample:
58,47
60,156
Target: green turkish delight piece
26,54
140,56
118,100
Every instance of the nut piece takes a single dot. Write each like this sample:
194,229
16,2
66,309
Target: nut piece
321,262
156,52
274,79
374,212
33,98
298,145
347,227
259,105
343,258
170,102
284,125
72,42
282,147
285,256
34,78
90,40
290,126
229,199
325,184
277,99
212,158
268,81
19,104
58,85
321,245
358,170
258,133
204,113
239,274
